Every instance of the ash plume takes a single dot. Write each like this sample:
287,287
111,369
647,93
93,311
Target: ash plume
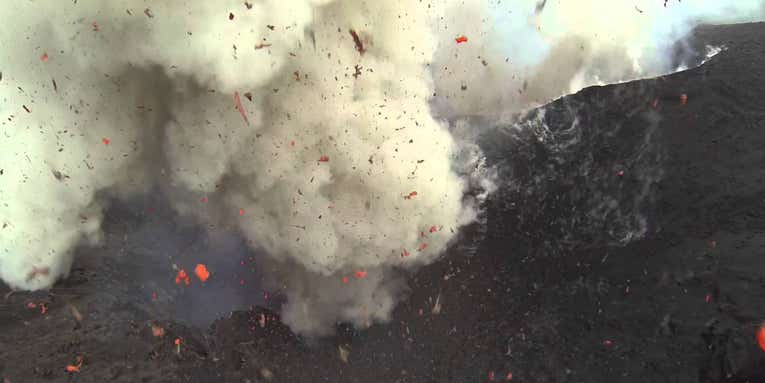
323,154
310,126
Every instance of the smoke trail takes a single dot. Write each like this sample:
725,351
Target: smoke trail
309,125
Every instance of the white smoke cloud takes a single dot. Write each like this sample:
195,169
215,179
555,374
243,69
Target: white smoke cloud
145,93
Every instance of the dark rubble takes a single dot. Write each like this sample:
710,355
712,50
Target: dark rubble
552,287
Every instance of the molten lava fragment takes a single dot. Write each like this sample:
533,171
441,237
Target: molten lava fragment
345,279
357,41
177,341
761,337
683,98
433,229
241,211
201,272
75,367
410,195
361,274
44,57
238,102
182,277
157,331
461,39
324,159
106,141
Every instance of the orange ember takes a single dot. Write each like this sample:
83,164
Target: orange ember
75,367
201,272
361,274
461,39
157,331
182,277
761,337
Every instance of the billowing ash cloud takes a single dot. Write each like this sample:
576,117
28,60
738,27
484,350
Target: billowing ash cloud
311,126
334,164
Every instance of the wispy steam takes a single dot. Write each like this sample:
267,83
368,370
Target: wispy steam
310,126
